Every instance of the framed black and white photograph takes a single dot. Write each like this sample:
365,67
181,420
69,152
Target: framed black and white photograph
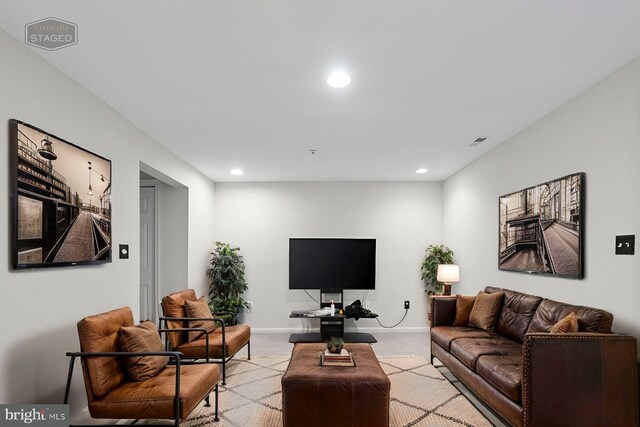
541,228
61,201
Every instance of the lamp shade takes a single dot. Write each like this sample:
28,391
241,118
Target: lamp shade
448,273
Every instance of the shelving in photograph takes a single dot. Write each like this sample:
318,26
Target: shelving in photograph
61,194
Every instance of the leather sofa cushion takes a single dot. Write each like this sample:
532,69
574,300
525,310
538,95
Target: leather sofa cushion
99,333
142,338
503,372
566,325
516,313
173,306
444,335
468,350
153,398
199,309
236,337
485,310
464,305
589,319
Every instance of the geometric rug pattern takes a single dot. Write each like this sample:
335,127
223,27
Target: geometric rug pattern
420,396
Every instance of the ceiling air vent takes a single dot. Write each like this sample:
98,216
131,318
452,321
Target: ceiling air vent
479,140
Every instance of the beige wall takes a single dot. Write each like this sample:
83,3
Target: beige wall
260,218
597,133
41,308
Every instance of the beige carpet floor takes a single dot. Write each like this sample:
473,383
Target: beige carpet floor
420,396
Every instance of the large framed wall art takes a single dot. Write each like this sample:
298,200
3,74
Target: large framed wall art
61,201
541,228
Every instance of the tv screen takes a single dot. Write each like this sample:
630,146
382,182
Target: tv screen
332,263
61,201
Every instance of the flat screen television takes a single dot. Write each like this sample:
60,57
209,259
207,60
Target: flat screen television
60,201
316,263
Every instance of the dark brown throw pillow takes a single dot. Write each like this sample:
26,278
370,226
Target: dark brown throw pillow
142,338
566,325
485,310
199,309
464,304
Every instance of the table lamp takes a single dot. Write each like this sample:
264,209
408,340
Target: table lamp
448,273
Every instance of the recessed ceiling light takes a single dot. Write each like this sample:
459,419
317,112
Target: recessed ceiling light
422,170
338,79
236,172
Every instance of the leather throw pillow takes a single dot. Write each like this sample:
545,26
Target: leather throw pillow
464,304
566,325
199,309
142,338
485,310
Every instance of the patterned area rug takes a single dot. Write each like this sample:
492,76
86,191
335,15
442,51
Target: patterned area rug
420,396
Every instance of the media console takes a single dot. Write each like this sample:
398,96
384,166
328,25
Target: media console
330,326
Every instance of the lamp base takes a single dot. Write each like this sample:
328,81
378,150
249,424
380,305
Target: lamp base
447,289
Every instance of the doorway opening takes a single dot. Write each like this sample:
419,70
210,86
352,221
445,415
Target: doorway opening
164,224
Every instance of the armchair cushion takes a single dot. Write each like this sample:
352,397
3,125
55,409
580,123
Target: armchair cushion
199,309
173,306
99,333
235,336
142,338
153,398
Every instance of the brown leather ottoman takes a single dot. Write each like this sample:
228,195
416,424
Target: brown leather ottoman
314,395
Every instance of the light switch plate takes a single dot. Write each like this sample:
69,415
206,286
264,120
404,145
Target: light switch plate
626,245
124,251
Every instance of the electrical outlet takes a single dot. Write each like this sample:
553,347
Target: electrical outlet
249,305
407,305
367,305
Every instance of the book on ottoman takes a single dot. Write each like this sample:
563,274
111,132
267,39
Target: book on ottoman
343,358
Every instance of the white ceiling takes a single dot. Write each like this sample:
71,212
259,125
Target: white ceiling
228,84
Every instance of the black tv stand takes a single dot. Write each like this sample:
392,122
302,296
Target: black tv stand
330,326
348,337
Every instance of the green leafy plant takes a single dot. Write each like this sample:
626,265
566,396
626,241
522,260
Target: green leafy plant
435,254
335,344
226,282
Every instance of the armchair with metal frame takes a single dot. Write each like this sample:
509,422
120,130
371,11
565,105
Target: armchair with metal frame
172,393
221,344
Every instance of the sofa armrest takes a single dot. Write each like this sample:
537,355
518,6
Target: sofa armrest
579,379
443,310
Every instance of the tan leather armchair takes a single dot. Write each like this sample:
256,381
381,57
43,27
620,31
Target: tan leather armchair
222,344
171,394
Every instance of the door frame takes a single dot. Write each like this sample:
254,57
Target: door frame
152,183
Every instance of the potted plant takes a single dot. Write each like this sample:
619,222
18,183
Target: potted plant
226,282
435,254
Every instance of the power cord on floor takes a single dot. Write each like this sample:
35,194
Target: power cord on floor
389,327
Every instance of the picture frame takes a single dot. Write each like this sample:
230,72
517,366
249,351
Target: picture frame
541,228
60,201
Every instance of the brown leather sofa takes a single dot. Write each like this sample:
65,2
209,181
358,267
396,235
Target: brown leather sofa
537,379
